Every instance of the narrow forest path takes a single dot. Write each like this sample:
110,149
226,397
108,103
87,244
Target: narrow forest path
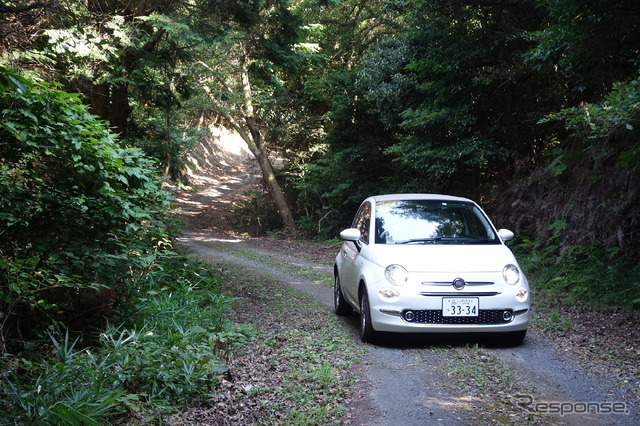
409,380
412,380
221,171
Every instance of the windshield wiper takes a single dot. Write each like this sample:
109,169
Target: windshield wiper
422,240
480,241
447,240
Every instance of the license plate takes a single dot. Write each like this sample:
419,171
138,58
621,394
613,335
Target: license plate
459,306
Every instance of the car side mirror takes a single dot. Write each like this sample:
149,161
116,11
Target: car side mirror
505,235
350,234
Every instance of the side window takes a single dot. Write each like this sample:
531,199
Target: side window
361,222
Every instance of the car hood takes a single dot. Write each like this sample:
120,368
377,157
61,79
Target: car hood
444,257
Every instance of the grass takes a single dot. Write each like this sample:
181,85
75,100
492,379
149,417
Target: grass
300,359
601,278
290,267
547,317
173,351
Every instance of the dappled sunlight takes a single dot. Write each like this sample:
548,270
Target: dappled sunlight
208,238
459,403
222,148
220,172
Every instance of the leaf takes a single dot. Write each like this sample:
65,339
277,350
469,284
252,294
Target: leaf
18,84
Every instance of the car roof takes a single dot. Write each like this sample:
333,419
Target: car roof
440,197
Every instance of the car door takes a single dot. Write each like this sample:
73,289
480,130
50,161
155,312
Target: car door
350,253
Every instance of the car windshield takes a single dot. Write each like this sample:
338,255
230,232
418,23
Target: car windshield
431,222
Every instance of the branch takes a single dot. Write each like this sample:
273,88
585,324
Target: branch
151,44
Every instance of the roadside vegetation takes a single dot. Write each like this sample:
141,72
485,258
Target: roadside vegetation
171,346
298,365
599,277
99,318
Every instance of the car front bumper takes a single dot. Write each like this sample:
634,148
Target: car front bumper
392,320
420,309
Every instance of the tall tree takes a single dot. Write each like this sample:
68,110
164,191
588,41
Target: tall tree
242,75
459,97
332,141
244,120
589,44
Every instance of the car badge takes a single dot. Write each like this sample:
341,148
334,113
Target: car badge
458,283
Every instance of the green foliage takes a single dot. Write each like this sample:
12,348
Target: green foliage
350,165
611,120
89,52
455,95
256,214
436,104
78,213
173,352
168,142
578,41
596,275
73,387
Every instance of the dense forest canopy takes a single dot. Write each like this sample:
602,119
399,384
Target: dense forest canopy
529,107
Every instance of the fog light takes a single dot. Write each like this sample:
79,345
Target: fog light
388,294
507,315
409,316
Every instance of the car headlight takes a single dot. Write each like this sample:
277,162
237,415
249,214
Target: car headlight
511,274
396,274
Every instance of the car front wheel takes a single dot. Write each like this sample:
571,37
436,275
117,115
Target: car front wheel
340,305
367,333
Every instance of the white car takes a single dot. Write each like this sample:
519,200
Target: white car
426,263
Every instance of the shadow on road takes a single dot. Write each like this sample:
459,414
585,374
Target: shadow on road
430,340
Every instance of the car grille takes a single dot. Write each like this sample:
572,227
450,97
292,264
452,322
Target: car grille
485,316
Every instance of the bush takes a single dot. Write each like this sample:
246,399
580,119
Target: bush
595,275
256,214
175,351
78,213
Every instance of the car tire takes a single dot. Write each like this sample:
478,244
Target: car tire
367,333
340,305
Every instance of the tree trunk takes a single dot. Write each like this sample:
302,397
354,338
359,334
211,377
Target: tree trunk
100,100
260,152
111,103
255,143
120,108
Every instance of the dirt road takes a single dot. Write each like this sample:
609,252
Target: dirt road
413,380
